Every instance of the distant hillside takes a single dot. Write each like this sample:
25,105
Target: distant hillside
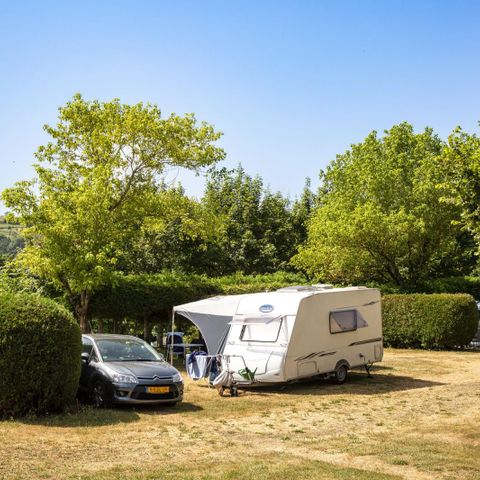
10,239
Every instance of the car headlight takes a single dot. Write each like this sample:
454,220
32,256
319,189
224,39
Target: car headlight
119,378
177,378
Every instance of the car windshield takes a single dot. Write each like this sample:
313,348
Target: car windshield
125,350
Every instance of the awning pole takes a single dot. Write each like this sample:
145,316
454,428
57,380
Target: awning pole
171,336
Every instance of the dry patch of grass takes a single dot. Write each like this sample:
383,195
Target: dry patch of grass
417,418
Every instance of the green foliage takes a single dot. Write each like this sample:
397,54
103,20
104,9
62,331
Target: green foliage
98,183
259,234
434,321
178,242
137,296
141,295
301,211
239,283
16,280
240,226
470,285
10,240
39,355
460,164
380,215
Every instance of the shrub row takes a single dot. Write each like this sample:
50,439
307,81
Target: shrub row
40,348
433,321
144,295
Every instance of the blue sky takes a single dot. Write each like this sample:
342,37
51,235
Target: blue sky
290,83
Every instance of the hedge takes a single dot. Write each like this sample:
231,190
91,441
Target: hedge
40,346
430,321
143,295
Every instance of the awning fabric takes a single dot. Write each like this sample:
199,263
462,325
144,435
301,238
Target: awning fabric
212,317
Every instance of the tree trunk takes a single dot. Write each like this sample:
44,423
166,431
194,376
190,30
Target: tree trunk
81,312
160,334
135,328
115,325
146,329
100,325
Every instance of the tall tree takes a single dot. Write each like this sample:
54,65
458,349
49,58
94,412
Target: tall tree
97,181
380,215
258,228
461,166
301,211
182,241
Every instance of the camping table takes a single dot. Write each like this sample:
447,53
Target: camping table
185,346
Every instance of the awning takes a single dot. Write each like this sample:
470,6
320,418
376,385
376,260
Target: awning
211,316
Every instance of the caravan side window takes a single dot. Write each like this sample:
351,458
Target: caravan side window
343,321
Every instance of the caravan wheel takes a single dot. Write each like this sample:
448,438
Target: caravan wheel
341,374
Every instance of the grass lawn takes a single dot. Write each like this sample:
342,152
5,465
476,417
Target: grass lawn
418,418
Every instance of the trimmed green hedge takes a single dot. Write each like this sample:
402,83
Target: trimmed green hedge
433,321
40,346
142,295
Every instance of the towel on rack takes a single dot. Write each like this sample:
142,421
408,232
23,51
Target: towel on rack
198,365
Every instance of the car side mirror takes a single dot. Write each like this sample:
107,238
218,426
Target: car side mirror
85,357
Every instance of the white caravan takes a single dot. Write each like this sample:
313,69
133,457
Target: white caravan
292,333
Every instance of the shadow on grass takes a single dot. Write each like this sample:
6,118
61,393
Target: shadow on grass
182,407
88,416
376,368
357,384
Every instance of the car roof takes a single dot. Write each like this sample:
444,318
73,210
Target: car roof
109,336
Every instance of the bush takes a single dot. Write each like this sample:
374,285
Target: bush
144,295
469,285
433,321
40,346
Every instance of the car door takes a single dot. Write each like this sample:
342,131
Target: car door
88,368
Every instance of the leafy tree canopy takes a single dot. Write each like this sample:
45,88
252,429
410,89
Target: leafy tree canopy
380,215
179,241
259,232
461,166
245,228
98,183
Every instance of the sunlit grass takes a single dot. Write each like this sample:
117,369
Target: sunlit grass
417,418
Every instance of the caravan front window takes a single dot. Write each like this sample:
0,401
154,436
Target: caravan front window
261,330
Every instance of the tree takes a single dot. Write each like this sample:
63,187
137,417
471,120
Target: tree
461,166
180,243
258,228
98,182
380,215
301,211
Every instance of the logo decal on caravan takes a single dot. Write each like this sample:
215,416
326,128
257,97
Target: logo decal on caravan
266,308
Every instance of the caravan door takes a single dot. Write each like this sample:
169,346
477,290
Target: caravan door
259,344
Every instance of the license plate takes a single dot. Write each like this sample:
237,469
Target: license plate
158,389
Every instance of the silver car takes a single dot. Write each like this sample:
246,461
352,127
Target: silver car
122,369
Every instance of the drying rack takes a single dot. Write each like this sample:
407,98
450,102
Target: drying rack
247,375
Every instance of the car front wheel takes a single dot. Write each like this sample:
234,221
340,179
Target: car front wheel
99,394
